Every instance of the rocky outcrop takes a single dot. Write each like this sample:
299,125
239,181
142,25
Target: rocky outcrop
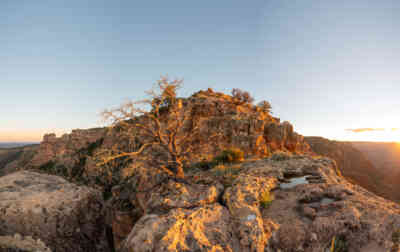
243,202
281,137
64,216
64,150
306,216
231,123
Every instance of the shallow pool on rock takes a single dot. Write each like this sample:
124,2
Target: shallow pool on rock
326,200
292,182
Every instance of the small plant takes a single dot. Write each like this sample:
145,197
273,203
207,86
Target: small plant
266,199
281,156
317,157
226,170
242,96
203,165
232,155
264,106
47,167
396,240
226,173
396,236
338,244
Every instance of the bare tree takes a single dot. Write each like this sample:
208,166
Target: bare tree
159,129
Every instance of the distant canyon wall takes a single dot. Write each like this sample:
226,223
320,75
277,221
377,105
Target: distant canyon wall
361,165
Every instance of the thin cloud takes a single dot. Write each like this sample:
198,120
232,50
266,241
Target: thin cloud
395,129
360,130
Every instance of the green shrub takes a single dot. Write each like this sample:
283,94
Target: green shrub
226,174
229,170
266,199
47,167
228,156
396,236
231,155
281,156
396,240
338,244
241,96
202,165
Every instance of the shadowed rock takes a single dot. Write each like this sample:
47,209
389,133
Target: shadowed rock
64,216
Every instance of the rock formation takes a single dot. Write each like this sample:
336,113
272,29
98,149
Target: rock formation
306,217
64,216
239,125
64,150
282,197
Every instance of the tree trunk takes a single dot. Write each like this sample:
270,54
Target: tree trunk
179,171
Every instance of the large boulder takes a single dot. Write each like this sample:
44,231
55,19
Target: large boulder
64,216
205,228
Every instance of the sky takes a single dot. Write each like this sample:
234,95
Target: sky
328,67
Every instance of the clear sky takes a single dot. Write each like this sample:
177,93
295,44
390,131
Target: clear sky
325,66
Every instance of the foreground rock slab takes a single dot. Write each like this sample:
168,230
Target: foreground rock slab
66,217
205,228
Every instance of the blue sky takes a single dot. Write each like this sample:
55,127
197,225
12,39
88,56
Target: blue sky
325,66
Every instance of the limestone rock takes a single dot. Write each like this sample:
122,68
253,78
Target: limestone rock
64,149
243,200
18,243
173,194
229,122
304,217
64,216
205,228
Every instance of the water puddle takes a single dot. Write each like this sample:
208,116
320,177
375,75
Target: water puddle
326,201
294,181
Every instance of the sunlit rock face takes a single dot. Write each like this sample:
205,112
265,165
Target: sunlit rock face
64,149
66,217
231,124
205,228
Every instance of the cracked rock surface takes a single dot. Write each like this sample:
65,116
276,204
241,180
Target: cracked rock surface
66,217
305,217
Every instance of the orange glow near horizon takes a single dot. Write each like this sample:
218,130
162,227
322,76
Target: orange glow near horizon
386,135
27,136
